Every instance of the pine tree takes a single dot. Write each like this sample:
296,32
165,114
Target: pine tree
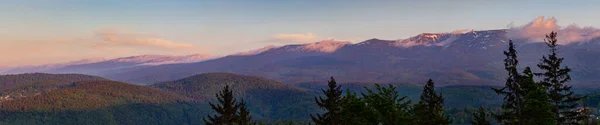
554,78
355,111
226,109
388,107
331,104
430,110
537,108
513,95
244,115
480,117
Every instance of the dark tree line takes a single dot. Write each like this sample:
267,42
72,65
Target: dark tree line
380,105
554,79
549,101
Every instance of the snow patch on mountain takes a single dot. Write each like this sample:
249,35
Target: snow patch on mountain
177,59
84,61
161,59
427,39
448,42
326,46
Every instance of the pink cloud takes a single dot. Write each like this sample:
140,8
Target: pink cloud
539,27
106,44
116,38
304,38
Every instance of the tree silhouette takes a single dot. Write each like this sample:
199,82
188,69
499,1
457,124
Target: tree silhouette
430,110
537,108
331,103
513,95
480,117
226,109
355,111
244,117
554,79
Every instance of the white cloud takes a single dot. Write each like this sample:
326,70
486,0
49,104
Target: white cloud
106,44
539,27
117,38
304,38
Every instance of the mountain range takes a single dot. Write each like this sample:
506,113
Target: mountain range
454,58
99,65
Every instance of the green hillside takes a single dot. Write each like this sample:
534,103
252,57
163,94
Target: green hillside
8,81
103,102
25,85
267,99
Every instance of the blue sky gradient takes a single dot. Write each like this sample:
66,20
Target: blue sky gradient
218,27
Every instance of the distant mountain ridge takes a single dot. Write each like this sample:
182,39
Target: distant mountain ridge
453,58
95,66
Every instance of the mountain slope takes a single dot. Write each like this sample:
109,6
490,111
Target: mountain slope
8,81
100,66
102,102
44,68
373,60
266,99
459,58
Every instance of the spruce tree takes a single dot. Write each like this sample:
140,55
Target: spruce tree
554,79
244,117
537,108
480,117
226,109
331,104
430,110
388,107
513,95
355,111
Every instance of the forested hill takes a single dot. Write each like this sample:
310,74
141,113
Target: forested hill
267,99
102,102
7,81
205,86
25,85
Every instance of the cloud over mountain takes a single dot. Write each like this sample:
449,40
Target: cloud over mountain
536,29
119,38
308,37
103,43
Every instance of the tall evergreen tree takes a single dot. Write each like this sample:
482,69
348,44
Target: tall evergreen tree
537,108
513,95
331,103
430,110
355,111
244,117
388,107
226,109
554,79
480,117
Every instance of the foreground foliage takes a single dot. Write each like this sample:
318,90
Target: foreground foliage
331,104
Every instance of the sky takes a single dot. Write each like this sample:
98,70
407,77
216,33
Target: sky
52,31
